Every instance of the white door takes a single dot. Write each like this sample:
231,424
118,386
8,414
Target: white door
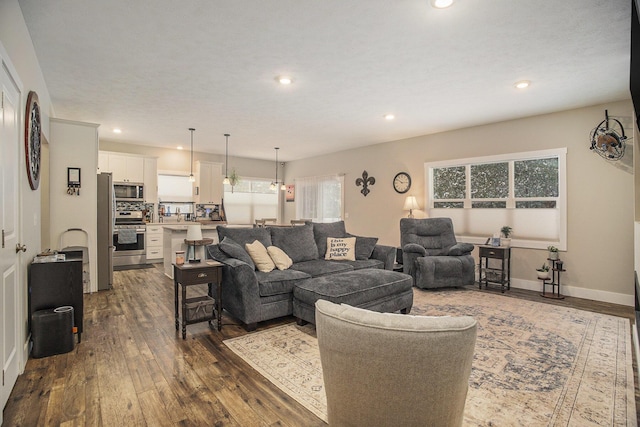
9,272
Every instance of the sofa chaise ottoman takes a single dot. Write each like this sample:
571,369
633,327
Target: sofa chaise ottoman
376,290
253,296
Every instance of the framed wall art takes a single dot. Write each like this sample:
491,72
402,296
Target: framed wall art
290,194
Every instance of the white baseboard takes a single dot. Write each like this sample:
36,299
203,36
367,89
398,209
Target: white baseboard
636,345
572,291
26,351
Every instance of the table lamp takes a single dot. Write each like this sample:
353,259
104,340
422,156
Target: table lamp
410,204
194,233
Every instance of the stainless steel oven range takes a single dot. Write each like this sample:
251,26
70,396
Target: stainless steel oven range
128,238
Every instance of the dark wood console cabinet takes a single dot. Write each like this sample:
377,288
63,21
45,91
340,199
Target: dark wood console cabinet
56,284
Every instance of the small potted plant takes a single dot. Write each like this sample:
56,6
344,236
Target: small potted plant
553,252
543,272
506,232
233,179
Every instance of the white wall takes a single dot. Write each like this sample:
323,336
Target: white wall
599,258
16,41
74,144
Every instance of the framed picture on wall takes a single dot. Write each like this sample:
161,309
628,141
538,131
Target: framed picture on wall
290,194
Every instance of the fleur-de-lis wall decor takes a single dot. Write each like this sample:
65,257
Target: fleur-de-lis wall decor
365,181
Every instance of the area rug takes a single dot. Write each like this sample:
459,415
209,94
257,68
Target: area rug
535,364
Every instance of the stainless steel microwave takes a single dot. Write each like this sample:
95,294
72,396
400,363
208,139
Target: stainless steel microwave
129,191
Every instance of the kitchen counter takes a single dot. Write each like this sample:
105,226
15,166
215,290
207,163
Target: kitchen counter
178,227
173,240
204,222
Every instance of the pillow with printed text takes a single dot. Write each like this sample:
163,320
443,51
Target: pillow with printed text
341,249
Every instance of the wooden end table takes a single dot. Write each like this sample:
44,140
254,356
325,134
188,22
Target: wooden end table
189,274
491,275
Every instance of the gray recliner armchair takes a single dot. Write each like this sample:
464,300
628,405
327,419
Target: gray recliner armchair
432,256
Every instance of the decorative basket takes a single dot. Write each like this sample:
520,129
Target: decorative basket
199,308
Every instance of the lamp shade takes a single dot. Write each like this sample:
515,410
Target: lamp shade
411,203
194,232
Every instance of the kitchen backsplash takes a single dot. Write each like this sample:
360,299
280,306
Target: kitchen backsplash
168,212
146,208
133,206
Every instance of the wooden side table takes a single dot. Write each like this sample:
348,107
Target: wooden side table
490,275
185,275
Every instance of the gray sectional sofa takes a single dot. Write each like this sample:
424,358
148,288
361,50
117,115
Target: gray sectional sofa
253,296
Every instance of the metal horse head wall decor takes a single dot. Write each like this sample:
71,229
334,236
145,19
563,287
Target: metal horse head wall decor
365,181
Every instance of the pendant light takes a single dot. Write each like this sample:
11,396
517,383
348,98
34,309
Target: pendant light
275,183
226,181
191,177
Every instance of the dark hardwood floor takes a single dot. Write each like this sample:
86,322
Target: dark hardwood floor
133,368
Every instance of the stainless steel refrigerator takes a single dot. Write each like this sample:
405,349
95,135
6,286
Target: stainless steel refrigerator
106,219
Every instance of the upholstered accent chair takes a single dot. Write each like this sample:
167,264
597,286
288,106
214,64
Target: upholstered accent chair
387,369
432,256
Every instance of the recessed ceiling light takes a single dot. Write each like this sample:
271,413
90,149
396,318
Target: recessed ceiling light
116,130
389,117
179,147
523,84
441,4
284,80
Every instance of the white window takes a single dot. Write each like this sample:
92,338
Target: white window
174,188
526,191
250,199
320,198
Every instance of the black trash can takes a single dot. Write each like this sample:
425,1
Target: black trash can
52,331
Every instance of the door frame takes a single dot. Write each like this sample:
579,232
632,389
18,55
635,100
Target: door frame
22,347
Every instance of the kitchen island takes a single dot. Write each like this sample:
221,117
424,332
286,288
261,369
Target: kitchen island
173,240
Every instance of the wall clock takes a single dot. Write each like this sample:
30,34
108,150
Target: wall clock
32,139
402,182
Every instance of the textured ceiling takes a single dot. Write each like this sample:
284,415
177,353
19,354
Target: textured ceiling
156,68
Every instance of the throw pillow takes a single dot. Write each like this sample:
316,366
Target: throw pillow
260,256
364,246
341,249
296,242
322,230
234,250
279,257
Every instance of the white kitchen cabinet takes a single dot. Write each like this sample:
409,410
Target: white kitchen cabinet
103,162
150,180
153,242
126,168
209,183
